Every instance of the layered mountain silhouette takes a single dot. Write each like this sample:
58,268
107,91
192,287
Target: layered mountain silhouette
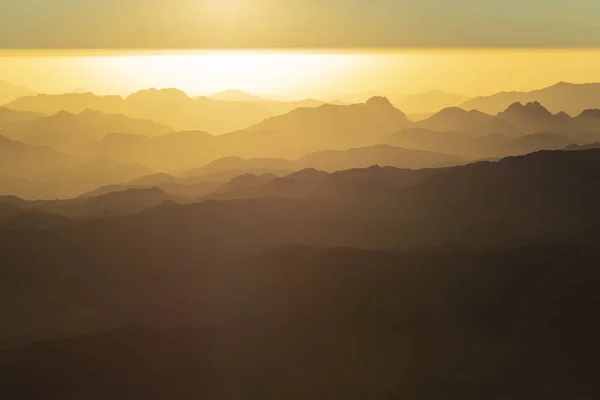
330,160
475,147
69,132
222,113
297,133
521,196
567,97
8,115
180,189
475,281
71,180
333,126
10,92
124,202
18,159
457,119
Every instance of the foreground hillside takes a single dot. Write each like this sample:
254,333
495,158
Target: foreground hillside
297,322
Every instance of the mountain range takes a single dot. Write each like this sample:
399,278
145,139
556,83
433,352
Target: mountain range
168,107
70,132
570,98
10,92
468,282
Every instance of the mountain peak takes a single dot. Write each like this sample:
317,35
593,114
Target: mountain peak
379,101
591,113
532,108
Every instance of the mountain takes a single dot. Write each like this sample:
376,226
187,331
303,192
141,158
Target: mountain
536,142
18,220
517,119
533,118
295,134
10,92
468,282
280,166
168,107
69,132
8,115
382,155
169,153
425,324
567,97
175,108
125,202
73,103
178,188
328,160
21,160
71,180
311,129
589,146
458,120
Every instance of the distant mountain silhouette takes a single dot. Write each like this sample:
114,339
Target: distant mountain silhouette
179,189
536,142
21,160
533,117
69,132
568,97
458,120
71,180
475,147
129,201
178,151
589,146
237,163
521,196
10,92
295,134
169,107
326,127
329,160
382,155
73,103
8,115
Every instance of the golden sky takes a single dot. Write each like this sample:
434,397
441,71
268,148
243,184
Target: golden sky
323,74
217,24
283,47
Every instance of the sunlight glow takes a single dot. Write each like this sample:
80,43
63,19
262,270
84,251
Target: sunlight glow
260,73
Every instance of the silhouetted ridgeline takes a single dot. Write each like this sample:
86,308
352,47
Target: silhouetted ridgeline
316,251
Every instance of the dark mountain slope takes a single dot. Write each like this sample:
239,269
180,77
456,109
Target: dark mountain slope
505,322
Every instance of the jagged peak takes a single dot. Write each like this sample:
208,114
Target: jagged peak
532,107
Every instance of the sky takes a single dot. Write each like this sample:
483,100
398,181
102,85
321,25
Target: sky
327,75
269,24
299,48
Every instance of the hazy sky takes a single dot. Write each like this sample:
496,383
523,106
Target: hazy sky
324,74
298,23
